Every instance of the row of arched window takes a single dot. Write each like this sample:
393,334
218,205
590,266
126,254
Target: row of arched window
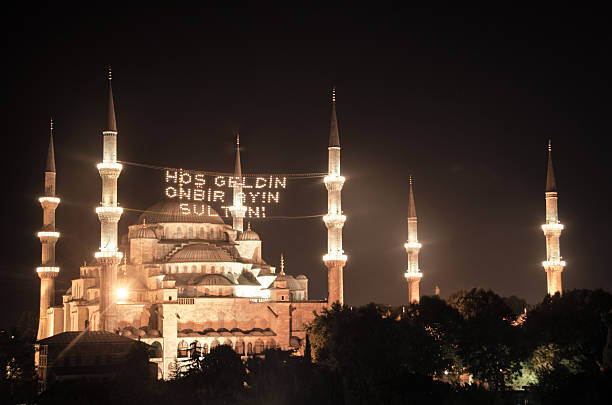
185,349
203,268
192,233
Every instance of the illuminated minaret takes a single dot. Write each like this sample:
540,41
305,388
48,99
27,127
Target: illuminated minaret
335,259
238,210
47,272
552,230
413,275
109,213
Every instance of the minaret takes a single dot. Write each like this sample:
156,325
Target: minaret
238,210
552,230
335,259
413,275
109,214
47,272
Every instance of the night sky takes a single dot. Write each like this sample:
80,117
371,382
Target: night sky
465,100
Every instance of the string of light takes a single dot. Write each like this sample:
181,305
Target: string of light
209,173
278,217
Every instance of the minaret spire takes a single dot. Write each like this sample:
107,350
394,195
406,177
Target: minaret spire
335,259
551,182
553,265
238,210
111,123
109,214
413,274
282,265
48,271
334,137
51,151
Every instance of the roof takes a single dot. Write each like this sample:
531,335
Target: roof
292,283
170,211
201,252
85,337
245,278
111,123
51,153
249,235
144,232
334,138
551,182
411,205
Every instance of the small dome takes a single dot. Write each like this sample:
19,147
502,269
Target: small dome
170,211
301,277
213,279
248,235
200,252
144,232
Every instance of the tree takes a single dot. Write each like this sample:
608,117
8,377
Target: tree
489,345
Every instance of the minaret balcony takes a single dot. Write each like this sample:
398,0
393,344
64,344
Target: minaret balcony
553,263
412,245
109,214
47,271
109,169
413,274
553,226
333,182
108,254
48,236
49,201
337,257
334,220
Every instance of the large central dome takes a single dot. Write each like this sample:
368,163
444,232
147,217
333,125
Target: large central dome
170,211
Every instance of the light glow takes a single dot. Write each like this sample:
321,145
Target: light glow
410,274
122,293
335,256
108,253
333,178
552,263
552,227
48,234
47,269
111,210
409,245
49,199
116,166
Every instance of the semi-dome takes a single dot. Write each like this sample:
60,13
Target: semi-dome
144,232
249,234
170,211
201,252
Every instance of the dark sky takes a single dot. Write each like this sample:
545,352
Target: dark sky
464,99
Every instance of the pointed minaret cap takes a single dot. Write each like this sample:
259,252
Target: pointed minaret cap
411,205
334,138
551,183
111,123
282,265
237,165
51,152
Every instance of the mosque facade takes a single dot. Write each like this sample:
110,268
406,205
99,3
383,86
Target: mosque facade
184,282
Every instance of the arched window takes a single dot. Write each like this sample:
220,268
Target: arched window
201,233
190,233
259,347
193,268
214,344
205,348
270,345
179,233
240,348
183,349
157,349
212,269
250,348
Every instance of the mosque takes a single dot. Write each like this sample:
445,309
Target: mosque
185,281
188,281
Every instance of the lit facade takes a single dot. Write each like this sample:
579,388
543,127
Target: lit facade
180,281
553,265
413,274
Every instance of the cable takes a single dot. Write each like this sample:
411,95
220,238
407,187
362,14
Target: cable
291,175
